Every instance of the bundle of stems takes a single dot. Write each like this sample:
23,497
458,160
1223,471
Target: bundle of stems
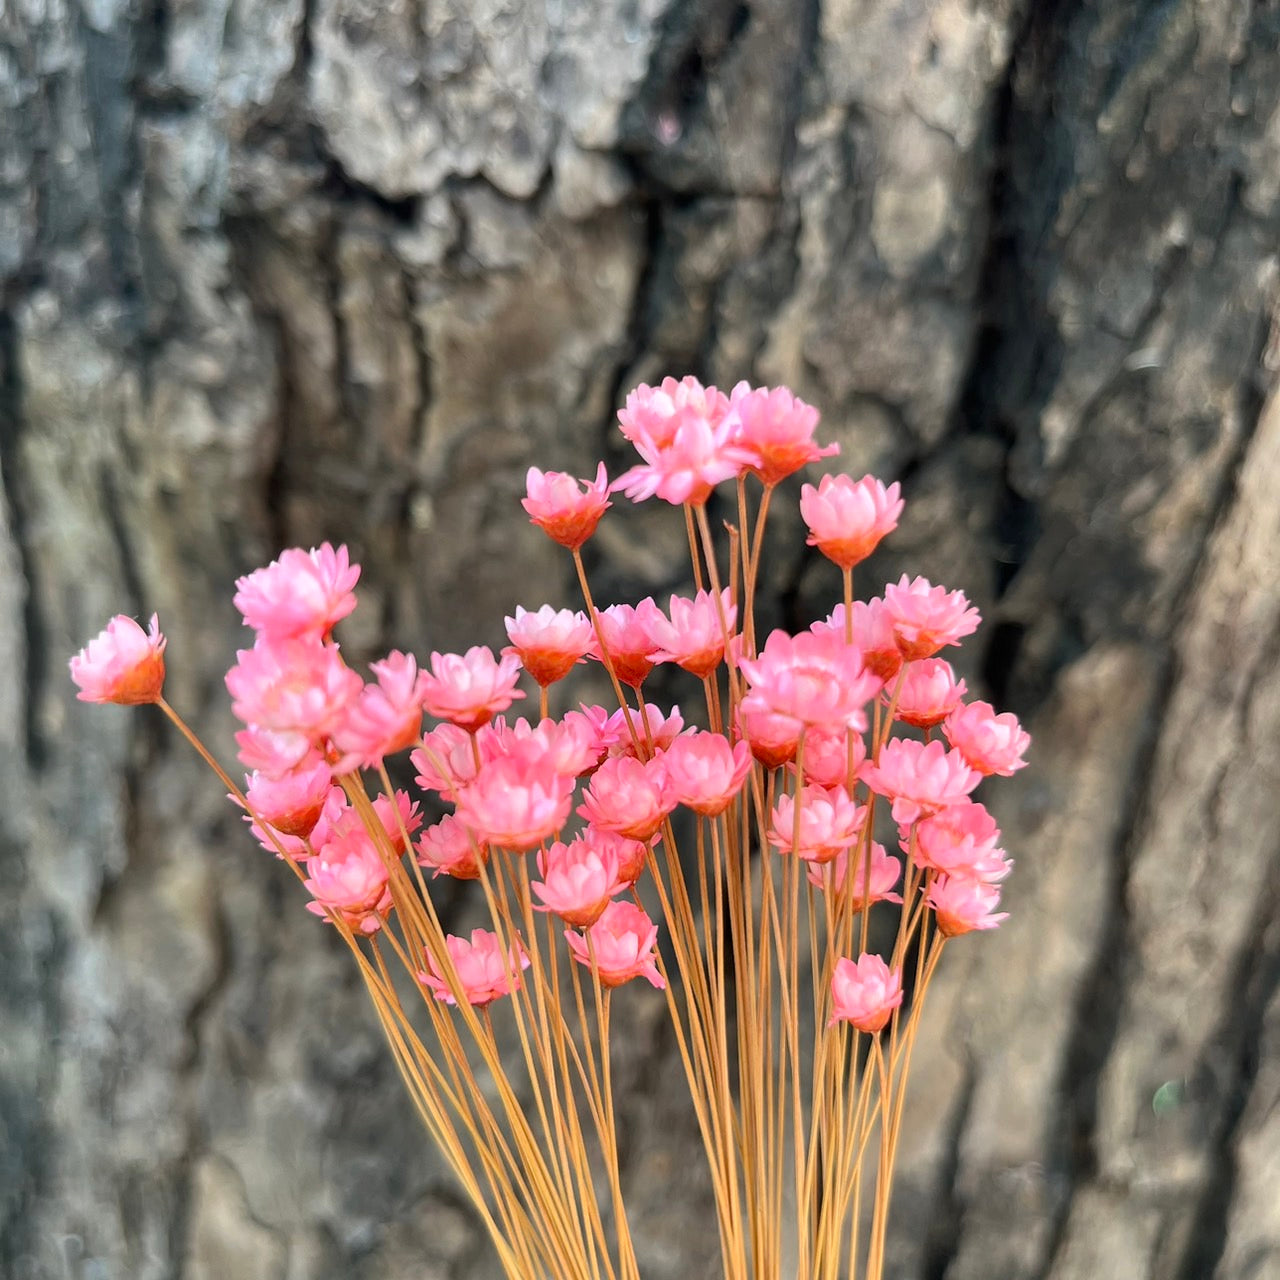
796,1060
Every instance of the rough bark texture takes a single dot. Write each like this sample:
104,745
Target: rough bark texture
283,270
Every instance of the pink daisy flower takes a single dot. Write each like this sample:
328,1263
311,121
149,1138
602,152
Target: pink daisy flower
848,518
928,694
449,848
705,771
920,778
926,618
775,429
864,993
578,879
694,635
623,940
565,509
962,905
484,971
470,689
302,593
122,664
990,743
549,642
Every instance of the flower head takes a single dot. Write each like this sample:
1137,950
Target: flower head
302,593
622,942
928,694
814,679
694,635
864,993
565,509
347,878
483,969
828,823
549,642
925,618
291,803
848,518
775,428
653,415
122,664
626,642
628,796
863,888
578,879
990,743
516,801
470,689
450,848
705,771
920,778
960,840
962,905
385,718
292,686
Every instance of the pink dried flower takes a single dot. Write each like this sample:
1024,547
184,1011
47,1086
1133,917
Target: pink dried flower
694,636
484,971
628,796
567,747
396,820
864,993
776,430
872,634
990,743
920,778
682,432
303,593
623,941
292,686
705,771
959,840
773,738
293,802
653,727
385,718
549,642
830,822
300,848
450,848
122,664
848,518
928,694
653,415
578,879
469,689
626,643
815,679
828,755
516,802
926,618
270,753
446,761
833,876
962,905
565,509
631,854
348,878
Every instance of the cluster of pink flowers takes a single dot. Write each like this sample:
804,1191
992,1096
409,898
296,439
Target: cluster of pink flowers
591,793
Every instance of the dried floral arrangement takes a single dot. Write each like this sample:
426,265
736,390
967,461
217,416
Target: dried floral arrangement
731,866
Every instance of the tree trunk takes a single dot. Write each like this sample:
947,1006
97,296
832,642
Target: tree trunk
277,271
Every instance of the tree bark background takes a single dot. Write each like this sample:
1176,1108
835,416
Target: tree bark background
277,271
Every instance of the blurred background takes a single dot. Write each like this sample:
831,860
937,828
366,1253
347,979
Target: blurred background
279,271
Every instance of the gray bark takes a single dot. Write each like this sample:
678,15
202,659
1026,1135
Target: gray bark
277,271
